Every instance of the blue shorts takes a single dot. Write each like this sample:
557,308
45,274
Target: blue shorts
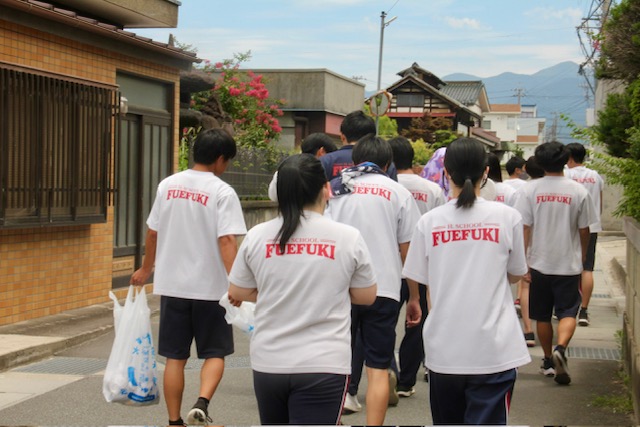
376,325
182,320
549,291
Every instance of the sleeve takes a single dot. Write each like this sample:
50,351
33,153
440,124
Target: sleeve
587,215
327,165
153,221
363,275
230,218
241,274
273,188
523,206
517,263
416,266
409,217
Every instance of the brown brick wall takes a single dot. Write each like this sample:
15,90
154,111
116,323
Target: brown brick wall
45,271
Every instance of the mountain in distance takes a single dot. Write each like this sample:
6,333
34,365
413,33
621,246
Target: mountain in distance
555,90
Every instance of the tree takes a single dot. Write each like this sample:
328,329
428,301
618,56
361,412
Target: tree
425,128
619,43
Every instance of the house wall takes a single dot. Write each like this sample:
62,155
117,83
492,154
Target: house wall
500,125
45,271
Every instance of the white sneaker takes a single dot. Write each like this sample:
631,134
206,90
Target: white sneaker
351,404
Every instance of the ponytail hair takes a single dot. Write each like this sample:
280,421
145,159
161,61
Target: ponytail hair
301,178
465,163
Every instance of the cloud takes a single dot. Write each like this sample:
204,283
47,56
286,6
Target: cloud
466,23
570,14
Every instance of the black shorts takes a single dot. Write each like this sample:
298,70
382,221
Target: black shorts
300,398
591,253
182,320
376,325
552,291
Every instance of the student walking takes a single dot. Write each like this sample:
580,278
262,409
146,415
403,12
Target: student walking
467,252
191,241
304,271
559,210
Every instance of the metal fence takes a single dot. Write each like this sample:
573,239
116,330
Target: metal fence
251,171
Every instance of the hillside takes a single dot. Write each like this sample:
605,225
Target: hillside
555,90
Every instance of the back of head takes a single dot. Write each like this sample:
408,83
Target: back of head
533,169
513,164
465,162
577,152
211,144
315,141
552,156
402,152
356,125
374,149
301,178
495,173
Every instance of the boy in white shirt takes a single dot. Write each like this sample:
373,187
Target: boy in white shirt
561,212
594,184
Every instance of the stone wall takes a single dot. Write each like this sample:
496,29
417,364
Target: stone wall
631,333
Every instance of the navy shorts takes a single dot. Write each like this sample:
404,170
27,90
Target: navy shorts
376,325
471,399
300,398
591,253
552,291
182,320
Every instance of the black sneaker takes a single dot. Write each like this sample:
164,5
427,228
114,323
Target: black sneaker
562,369
199,415
547,368
405,391
530,339
583,317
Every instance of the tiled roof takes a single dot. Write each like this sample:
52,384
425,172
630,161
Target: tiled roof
527,138
505,108
71,18
466,92
486,135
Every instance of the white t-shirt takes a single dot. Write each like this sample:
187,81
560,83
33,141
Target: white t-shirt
303,308
505,194
427,194
594,183
515,182
191,211
385,213
463,255
558,207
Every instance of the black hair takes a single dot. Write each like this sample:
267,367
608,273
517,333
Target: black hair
211,144
577,152
533,169
372,148
465,162
552,156
513,164
315,141
402,152
495,173
356,125
300,180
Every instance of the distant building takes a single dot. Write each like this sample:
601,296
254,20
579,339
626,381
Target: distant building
516,124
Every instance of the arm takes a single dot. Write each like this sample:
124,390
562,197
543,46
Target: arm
414,312
228,250
363,296
513,278
140,276
584,241
238,294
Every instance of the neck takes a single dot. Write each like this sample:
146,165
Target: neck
455,190
199,167
553,173
406,171
316,207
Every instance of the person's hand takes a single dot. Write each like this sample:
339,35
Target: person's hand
414,313
234,302
527,276
140,276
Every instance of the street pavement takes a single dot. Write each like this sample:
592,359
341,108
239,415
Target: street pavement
51,371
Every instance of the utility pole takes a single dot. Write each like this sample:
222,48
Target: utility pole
383,24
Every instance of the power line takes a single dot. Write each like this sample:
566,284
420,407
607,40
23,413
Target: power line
394,5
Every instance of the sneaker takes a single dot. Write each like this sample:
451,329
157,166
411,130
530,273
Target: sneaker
583,317
547,368
404,391
562,369
199,415
351,404
393,394
516,303
530,339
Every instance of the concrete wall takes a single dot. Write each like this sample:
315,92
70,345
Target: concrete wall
631,325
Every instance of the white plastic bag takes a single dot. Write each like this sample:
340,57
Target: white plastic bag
241,317
131,377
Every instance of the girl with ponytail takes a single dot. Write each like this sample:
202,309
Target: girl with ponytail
303,271
467,252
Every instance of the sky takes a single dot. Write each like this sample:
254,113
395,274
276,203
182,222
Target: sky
479,37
